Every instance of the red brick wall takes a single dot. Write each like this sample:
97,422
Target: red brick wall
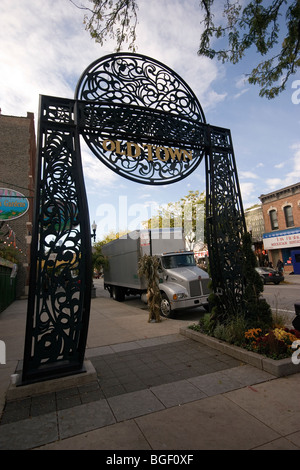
17,172
293,200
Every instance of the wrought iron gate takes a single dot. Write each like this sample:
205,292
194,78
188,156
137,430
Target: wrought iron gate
144,122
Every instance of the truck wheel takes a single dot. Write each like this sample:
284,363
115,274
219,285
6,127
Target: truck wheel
165,306
118,294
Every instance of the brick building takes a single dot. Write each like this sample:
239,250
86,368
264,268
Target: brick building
281,212
17,173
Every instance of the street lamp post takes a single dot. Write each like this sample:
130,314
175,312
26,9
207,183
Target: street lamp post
94,228
93,235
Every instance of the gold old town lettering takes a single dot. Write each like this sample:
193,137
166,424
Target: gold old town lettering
131,149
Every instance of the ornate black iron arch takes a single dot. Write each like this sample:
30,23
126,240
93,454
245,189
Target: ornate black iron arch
144,122
140,118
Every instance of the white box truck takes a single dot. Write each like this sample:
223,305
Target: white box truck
183,285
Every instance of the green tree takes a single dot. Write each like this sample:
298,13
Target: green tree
9,253
98,259
254,311
266,25
112,19
257,311
112,236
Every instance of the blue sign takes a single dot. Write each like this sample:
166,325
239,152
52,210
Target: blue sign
12,204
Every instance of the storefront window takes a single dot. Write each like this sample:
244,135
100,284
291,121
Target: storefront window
273,219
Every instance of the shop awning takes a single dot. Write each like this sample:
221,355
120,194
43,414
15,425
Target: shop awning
278,239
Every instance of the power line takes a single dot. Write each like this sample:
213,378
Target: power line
22,187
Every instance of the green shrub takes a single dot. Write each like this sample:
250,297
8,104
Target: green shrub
232,332
206,325
256,310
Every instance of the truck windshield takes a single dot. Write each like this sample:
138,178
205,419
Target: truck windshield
177,261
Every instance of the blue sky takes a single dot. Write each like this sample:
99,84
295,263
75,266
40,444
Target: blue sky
45,50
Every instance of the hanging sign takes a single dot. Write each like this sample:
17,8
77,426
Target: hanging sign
12,204
140,119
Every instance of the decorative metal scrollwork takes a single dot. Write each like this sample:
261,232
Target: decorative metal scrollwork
138,80
225,218
58,307
133,99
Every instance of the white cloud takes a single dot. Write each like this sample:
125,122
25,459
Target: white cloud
170,32
274,183
247,190
280,165
240,93
96,171
296,148
248,174
292,176
37,55
240,84
241,81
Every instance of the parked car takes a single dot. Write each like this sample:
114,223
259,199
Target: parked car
270,275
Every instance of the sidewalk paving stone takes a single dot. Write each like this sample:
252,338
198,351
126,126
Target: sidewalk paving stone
29,433
134,404
83,418
177,393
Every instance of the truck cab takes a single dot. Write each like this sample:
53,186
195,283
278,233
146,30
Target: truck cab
182,283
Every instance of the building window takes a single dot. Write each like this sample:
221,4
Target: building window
288,214
273,219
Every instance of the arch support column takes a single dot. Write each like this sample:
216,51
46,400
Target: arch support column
225,222
61,269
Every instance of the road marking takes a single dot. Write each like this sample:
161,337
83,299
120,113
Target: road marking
283,310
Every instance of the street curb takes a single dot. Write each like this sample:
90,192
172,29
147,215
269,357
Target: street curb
279,368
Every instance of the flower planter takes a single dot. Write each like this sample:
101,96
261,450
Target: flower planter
279,368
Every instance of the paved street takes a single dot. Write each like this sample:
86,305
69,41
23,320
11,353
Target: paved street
153,389
281,298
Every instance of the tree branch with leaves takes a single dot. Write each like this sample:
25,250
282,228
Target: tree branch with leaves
266,25
111,19
259,24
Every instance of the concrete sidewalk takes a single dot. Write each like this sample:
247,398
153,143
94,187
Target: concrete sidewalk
153,390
